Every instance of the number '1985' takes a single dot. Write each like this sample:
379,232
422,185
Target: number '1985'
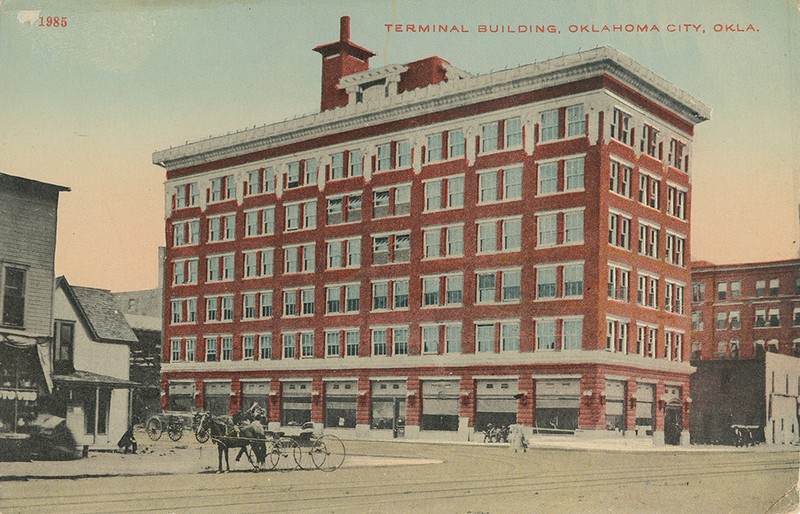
52,21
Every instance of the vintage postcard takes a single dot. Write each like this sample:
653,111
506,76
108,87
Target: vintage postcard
399,256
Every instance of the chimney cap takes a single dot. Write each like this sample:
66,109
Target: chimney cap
344,46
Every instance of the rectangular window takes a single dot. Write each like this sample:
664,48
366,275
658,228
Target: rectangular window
513,132
545,283
333,303
484,337
455,144
306,344
211,349
380,295
452,336
351,338
572,334
509,337
573,174
307,298
430,340
400,341
289,349
489,137
545,334
265,346
487,237
290,302
352,298
454,285
332,344
337,166
430,291
486,288
455,192
487,184
400,294
549,126
434,148
511,285
227,348
512,184
433,195
356,168
548,178
774,286
573,280
620,179
512,235
311,170
576,121
546,229
573,227
379,343
265,302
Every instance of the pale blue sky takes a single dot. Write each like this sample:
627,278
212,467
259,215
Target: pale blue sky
87,104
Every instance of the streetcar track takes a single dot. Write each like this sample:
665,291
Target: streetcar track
476,483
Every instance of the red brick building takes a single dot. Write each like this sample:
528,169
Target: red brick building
436,251
743,317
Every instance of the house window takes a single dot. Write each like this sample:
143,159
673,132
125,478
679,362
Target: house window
455,144
289,348
484,337
698,292
380,295
511,281
774,286
620,127
697,320
736,289
722,290
545,283
211,349
190,350
576,121
430,339
486,287
573,280
513,132
573,174
676,202
487,185
649,191
761,318
509,336
351,338
227,348
549,126
379,342
63,346
400,341
546,229
573,227
454,289
649,143
248,346
186,196
434,148
676,154
545,334
452,338
489,137
548,178
306,344
620,179
332,344
356,164
572,334
648,240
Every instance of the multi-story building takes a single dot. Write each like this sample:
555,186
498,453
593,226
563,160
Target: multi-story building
436,251
28,214
742,314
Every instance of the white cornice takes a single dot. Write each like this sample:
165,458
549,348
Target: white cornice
445,95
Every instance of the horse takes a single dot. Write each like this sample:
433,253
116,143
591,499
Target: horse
227,436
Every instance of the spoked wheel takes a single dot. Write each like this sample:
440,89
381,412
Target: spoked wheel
302,456
282,455
154,429
175,431
201,434
328,453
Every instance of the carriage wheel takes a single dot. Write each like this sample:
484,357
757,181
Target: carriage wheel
328,453
201,434
302,456
282,455
175,431
154,429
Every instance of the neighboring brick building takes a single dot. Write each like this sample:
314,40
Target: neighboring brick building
436,251
741,313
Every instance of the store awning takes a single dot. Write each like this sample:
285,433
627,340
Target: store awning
93,379
17,339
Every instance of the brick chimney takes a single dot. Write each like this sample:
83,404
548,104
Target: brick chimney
339,59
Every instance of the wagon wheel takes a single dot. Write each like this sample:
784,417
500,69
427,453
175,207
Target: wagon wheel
328,453
282,455
154,429
302,456
201,434
273,454
175,431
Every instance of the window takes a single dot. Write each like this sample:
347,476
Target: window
227,348
445,193
430,339
736,289
190,349
547,232
400,341
619,230
396,154
620,127
434,148
381,294
452,338
434,296
301,216
676,202
735,320
509,336
222,228
379,342
673,297
222,188
336,303
356,163
722,320
649,143
545,334
185,233
487,187
430,291
486,287
344,253
511,235
289,346
211,349
184,272
454,289
649,191
548,126
186,195
573,174
676,154
306,344
573,227
761,287
618,283
616,335
220,268
647,293
484,337
184,310
513,132
576,121
511,283
512,184
572,334
620,179
383,207
332,346
774,317
487,237
489,137
674,250
63,346
548,178
761,318
545,283
500,185
796,316
352,298
722,290
452,237
455,144
392,248
573,280
648,239
774,286
259,263
433,195
260,222
302,173
698,292
337,166
299,259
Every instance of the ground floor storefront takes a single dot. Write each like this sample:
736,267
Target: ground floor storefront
452,403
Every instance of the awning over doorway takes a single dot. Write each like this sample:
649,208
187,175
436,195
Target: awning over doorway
16,339
93,379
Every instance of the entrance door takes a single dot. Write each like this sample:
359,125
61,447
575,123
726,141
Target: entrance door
399,418
673,422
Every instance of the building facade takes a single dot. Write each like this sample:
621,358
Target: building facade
91,364
28,218
436,251
745,345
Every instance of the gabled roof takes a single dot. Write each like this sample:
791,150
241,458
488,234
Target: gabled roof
98,312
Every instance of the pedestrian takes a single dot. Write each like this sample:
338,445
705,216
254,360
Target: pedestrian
516,439
127,443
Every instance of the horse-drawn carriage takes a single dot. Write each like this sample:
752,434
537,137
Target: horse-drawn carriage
305,450
171,422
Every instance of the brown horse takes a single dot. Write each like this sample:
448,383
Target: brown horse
228,435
